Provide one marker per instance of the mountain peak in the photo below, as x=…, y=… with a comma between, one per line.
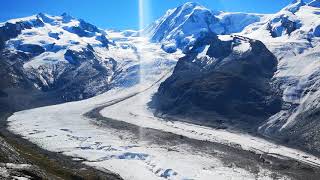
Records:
x=66, y=17
x=45, y=17
x=41, y=14
x=294, y=6
x=182, y=25
x=191, y=4
x=65, y=14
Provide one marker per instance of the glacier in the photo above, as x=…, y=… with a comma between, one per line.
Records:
x=112, y=125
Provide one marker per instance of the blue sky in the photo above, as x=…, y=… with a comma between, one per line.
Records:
x=124, y=14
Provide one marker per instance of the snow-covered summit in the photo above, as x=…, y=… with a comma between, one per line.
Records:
x=294, y=6
x=59, y=52
x=179, y=28
x=182, y=24
x=47, y=37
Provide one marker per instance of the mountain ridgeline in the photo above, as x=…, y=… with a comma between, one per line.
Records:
x=179, y=28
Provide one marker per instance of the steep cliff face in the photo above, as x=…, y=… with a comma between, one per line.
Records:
x=228, y=82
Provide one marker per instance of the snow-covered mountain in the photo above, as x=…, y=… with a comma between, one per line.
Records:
x=69, y=56
x=293, y=35
x=58, y=52
x=180, y=27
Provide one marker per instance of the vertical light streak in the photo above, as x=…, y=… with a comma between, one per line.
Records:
x=141, y=16
x=140, y=52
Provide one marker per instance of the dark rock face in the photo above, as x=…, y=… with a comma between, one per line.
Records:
x=88, y=27
x=34, y=49
x=76, y=58
x=54, y=35
x=219, y=49
x=13, y=165
x=10, y=30
x=316, y=31
x=84, y=29
x=105, y=42
x=224, y=85
x=83, y=77
x=282, y=25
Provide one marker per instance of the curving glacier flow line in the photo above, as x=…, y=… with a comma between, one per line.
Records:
x=262, y=151
x=238, y=141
